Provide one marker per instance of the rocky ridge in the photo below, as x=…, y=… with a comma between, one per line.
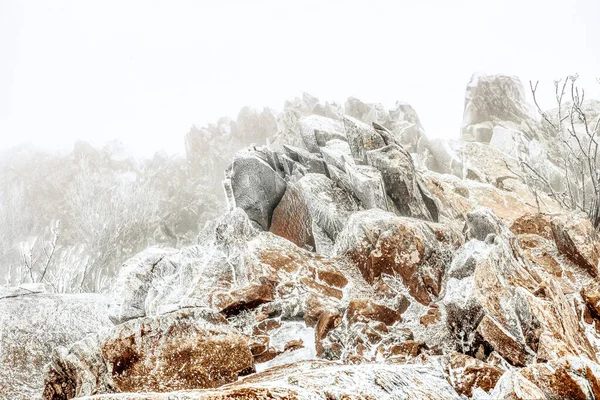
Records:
x=358, y=260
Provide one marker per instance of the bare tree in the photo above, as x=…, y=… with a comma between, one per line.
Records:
x=575, y=145
x=37, y=256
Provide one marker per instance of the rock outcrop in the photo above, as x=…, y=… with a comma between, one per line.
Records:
x=345, y=269
x=189, y=349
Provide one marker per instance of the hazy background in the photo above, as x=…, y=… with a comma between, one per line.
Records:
x=143, y=71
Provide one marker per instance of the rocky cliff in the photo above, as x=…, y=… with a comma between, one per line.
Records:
x=358, y=260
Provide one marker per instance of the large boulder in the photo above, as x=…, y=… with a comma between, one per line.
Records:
x=381, y=243
x=491, y=100
x=316, y=131
x=336, y=153
x=455, y=198
x=312, y=212
x=507, y=307
x=232, y=257
x=134, y=280
x=482, y=222
x=535, y=224
x=263, y=283
x=312, y=162
x=256, y=187
x=361, y=138
x=32, y=324
x=292, y=218
x=367, y=185
x=468, y=374
x=497, y=114
x=577, y=239
x=566, y=378
x=188, y=349
x=401, y=182
x=514, y=386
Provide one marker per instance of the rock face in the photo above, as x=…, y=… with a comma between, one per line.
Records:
x=256, y=186
x=380, y=243
x=576, y=238
x=492, y=100
x=468, y=374
x=361, y=138
x=32, y=325
x=401, y=183
x=319, y=208
x=326, y=380
x=184, y=350
x=359, y=260
x=133, y=288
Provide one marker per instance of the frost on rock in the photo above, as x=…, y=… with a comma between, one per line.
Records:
x=381, y=243
x=357, y=260
x=310, y=380
x=32, y=325
x=184, y=350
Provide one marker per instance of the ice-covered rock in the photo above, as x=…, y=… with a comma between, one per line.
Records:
x=292, y=218
x=325, y=380
x=32, y=325
x=444, y=158
x=513, y=385
x=456, y=197
x=508, y=307
x=576, y=238
x=134, y=282
x=381, y=243
x=316, y=131
x=361, y=138
x=426, y=269
x=327, y=209
x=481, y=223
x=536, y=224
x=401, y=182
x=312, y=162
x=291, y=131
x=367, y=185
x=256, y=187
x=337, y=153
x=493, y=99
x=468, y=374
x=567, y=378
x=188, y=349
x=401, y=120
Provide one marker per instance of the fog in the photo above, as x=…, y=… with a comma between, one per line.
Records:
x=299, y=199
x=144, y=71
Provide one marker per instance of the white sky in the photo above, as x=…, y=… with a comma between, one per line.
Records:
x=144, y=71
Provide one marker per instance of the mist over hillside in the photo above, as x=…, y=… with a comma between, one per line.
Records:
x=299, y=200
x=289, y=251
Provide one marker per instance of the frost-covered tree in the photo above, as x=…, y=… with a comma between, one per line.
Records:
x=573, y=130
x=110, y=207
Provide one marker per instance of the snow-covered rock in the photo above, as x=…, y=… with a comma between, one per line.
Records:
x=325, y=380
x=32, y=325
x=381, y=243
x=447, y=278
x=256, y=186
x=401, y=182
x=188, y=349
